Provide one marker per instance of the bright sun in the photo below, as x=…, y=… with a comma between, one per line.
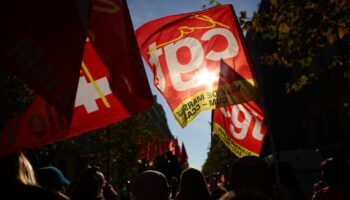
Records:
x=206, y=78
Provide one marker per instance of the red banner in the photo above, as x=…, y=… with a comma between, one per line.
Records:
x=96, y=104
x=241, y=128
x=112, y=35
x=43, y=42
x=186, y=53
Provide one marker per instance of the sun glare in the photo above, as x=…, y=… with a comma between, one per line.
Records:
x=206, y=78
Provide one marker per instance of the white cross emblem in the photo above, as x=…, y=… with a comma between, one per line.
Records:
x=87, y=94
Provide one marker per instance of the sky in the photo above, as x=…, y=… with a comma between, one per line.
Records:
x=196, y=135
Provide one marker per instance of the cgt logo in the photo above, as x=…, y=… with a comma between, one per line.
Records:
x=244, y=123
x=195, y=52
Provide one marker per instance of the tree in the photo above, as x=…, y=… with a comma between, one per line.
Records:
x=219, y=158
x=301, y=33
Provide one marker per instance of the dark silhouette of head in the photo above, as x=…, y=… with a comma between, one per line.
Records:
x=90, y=185
x=251, y=173
x=52, y=178
x=150, y=185
x=192, y=185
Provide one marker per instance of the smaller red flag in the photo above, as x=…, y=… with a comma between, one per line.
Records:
x=172, y=146
x=183, y=154
x=177, y=150
x=150, y=151
x=241, y=128
x=142, y=152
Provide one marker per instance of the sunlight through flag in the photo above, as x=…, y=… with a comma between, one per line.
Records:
x=186, y=53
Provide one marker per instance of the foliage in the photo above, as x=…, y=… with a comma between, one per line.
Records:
x=219, y=158
x=303, y=33
x=211, y=4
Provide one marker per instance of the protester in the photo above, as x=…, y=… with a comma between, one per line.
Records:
x=333, y=184
x=287, y=188
x=109, y=192
x=216, y=190
x=90, y=185
x=251, y=173
x=174, y=186
x=53, y=179
x=18, y=180
x=192, y=186
x=150, y=185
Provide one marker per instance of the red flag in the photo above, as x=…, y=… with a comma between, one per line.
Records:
x=241, y=128
x=113, y=37
x=172, y=146
x=96, y=105
x=183, y=154
x=160, y=149
x=150, y=151
x=177, y=150
x=43, y=43
x=142, y=152
x=185, y=53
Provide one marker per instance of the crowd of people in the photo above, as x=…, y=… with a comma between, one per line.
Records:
x=250, y=179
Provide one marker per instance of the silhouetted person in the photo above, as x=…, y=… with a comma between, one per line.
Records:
x=109, y=192
x=251, y=173
x=334, y=180
x=192, y=186
x=150, y=185
x=90, y=185
x=288, y=187
x=216, y=191
x=53, y=179
x=174, y=186
x=18, y=180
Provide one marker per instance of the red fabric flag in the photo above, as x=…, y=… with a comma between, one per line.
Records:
x=172, y=146
x=142, y=152
x=241, y=128
x=186, y=52
x=43, y=42
x=183, y=154
x=177, y=150
x=150, y=151
x=160, y=149
x=96, y=104
x=116, y=45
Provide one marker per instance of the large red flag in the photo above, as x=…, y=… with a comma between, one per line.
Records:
x=43, y=42
x=116, y=45
x=241, y=128
x=185, y=53
x=96, y=104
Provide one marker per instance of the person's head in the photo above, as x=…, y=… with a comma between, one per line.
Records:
x=150, y=185
x=52, y=178
x=192, y=185
x=90, y=184
x=16, y=168
x=251, y=173
x=334, y=171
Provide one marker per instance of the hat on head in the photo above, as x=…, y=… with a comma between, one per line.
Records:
x=51, y=177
